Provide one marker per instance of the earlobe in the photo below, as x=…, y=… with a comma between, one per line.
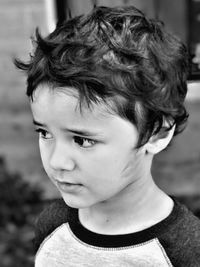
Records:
x=160, y=141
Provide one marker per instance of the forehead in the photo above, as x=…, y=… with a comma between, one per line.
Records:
x=62, y=101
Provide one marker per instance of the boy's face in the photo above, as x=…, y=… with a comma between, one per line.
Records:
x=90, y=155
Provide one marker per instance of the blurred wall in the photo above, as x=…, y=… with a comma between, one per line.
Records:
x=18, y=19
x=172, y=12
x=84, y=6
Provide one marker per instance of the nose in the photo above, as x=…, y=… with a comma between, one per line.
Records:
x=61, y=158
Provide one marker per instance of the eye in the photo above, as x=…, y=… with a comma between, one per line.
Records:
x=43, y=134
x=84, y=142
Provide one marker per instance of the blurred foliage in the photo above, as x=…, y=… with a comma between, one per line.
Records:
x=20, y=204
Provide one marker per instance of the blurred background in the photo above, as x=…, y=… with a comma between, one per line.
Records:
x=24, y=187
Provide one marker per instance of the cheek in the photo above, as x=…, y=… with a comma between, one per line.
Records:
x=124, y=163
x=106, y=163
x=44, y=153
x=134, y=168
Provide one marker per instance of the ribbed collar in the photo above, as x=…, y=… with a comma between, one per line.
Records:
x=108, y=241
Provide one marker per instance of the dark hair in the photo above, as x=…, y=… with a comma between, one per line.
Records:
x=121, y=57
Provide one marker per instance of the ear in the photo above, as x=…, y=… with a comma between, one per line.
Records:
x=159, y=141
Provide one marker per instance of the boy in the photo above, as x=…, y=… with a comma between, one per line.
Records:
x=106, y=92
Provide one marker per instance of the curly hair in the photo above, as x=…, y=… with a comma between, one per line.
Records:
x=119, y=56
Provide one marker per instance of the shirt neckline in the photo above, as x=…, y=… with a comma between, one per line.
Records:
x=124, y=240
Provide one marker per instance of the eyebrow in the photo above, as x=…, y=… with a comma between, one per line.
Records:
x=38, y=123
x=83, y=132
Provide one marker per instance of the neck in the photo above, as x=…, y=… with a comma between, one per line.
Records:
x=142, y=206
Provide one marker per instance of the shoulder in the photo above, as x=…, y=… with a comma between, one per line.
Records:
x=50, y=218
x=182, y=240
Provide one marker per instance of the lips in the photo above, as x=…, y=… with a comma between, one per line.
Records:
x=65, y=182
x=68, y=184
x=68, y=187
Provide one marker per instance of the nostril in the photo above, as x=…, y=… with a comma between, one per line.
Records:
x=61, y=162
x=61, y=157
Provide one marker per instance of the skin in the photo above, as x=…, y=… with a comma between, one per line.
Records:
x=100, y=172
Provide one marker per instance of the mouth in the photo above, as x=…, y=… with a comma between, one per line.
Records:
x=68, y=187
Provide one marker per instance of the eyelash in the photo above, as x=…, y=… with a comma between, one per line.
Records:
x=77, y=139
x=82, y=139
x=42, y=133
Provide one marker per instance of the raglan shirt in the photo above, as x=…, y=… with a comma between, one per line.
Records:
x=62, y=241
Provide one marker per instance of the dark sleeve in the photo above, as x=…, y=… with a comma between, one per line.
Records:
x=182, y=242
x=49, y=219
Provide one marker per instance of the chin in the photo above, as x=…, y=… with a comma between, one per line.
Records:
x=75, y=203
